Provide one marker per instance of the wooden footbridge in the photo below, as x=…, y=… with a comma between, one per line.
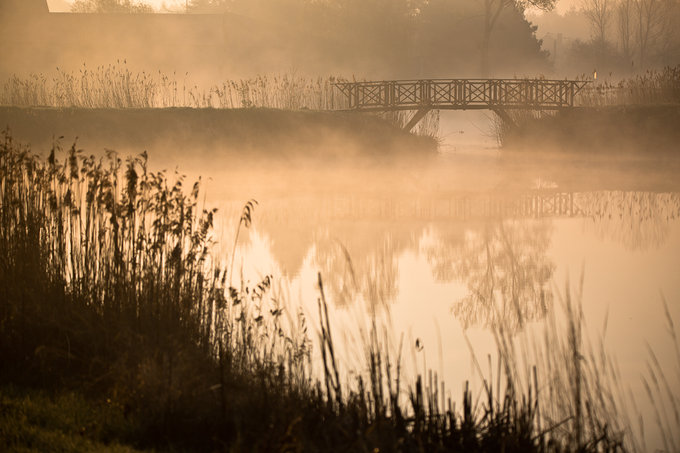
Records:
x=497, y=95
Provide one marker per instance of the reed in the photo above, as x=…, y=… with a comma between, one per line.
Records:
x=577, y=387
x=661, y=386
x=652, y=87
x=115, y=86
x=503, y=130
x=109, y=285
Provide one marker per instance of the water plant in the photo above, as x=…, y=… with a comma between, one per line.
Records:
x=109, y=285
x=651, y=87
x=116, y=86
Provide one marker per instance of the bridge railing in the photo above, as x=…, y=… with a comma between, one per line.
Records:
x=461, y=94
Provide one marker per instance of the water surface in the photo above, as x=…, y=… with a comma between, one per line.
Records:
x=442, y=251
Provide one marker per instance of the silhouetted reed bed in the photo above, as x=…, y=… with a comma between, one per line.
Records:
x=108, y=286
x=115, y=86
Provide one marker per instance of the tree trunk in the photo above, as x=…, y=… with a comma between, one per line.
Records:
x=492, y=10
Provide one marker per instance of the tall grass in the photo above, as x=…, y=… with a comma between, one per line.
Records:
x=662, y=389
x=503, y=130
x=580, y=394
x=108, y=284
x=428, y=126
x=654, y=87
x=115, y=86
x=651, y=87
x=107, y=279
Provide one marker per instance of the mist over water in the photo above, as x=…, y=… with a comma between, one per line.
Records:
x=449, y=247
x=442, y=252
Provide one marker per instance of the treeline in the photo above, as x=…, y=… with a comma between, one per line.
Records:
x=407, y=38
x=639, y=33
x=620, y=36
x=383, y=38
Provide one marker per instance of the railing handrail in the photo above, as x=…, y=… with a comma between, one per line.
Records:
x=460, y=93
x=506, y=80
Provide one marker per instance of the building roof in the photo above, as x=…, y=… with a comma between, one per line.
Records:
x=23, y=7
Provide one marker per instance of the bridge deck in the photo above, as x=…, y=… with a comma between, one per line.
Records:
x=461, y=94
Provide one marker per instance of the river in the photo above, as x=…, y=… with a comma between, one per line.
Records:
x=446, y=252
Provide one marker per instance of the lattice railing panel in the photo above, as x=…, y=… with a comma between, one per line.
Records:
x=461, y=94
x=408, y=93
x=371, y=95
x=444, y=93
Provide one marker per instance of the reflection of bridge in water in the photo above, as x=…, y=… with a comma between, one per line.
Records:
x=375, y=230
x=497, y=95
x=472, y=206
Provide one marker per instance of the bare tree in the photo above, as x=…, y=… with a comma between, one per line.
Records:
x=648, y=31
x=599, y=13
x=493, y=10
x=624, y=16
x=648, y=19
x=668, y=36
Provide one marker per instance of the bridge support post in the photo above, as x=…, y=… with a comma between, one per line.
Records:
x=415, y=119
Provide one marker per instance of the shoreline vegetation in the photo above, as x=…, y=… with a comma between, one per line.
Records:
x=644, y=130
x=120, y=329
x=105, y=106
x=273, y=117
x=116, y=87
x=633, y=116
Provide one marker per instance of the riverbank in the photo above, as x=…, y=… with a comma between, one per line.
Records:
x=644, y=130
x=209, y=133
x=118, y=309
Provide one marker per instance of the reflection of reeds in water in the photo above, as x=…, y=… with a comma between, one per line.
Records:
x=638, y=220
x=108, y=284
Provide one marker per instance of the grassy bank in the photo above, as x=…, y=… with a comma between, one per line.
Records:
x=114, y=307
x=212, y=133
x=116, y=87
x=37, y=421
x=636, y=116
x=644, y=130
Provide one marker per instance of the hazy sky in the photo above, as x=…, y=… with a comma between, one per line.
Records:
x=63, y=5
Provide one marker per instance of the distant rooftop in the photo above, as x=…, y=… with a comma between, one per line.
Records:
x=23, y=6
